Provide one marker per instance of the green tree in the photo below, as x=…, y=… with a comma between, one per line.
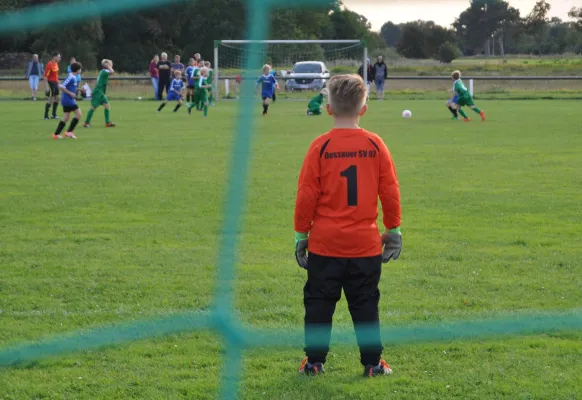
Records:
x=422, y=39
x=448, y=52
x=537, y=23
x=390, y=32
x=478, y=25
x=576, y=14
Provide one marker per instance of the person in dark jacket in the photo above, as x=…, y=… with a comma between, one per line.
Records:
x=380, y=75
x=34, y=70
x=369, y=78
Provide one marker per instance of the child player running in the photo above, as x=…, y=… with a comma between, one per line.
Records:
x=190, y=77
x=98, y=97
x=268, y=85
x=344, y=173
x=464, y=98
x=202, y=90
x=451, y=105
x=210, y=79
x=176, y=91
x=69, y=101
x=314, y=106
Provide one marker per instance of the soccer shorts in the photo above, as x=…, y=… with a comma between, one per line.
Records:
x=315, y=111
x=202, y=95
x=53, y=89
x=173, y=96
x=70, y=108
x=190, y=87
x=465, y=101
x=98, y=99
x=266, y=96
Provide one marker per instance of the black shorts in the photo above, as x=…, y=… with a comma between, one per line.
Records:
x=68, y=109
x=190, y=87
x=53, y=89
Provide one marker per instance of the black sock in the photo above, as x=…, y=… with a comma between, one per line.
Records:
x=274, y=97
x=451, y=110
x=73, y=124
x=47, y=107
x=60, y=127
x=265, y=108
x=177, y=107
x=161, y=106
x=55, y=105
x=455, y=113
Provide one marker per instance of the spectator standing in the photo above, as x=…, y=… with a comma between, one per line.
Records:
x=34, y=70
x=380, y=75
x=197, y=60
x=155, y=75
x=370, y=76
x=77, y=76
x=177, y=66
x=164, y=70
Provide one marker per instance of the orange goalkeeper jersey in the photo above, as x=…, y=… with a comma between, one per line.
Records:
x=344, y=173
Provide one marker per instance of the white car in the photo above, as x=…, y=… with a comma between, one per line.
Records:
x=307, y=75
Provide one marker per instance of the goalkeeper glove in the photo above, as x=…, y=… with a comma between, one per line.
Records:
x=301, y=249
x=392, y=241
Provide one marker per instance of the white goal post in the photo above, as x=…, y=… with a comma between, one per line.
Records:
x=354, y=45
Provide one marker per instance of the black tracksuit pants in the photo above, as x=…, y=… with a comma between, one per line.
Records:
x=163, y=83
x=359, y=278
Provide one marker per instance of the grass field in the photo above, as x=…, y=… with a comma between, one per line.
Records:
x=123, y=224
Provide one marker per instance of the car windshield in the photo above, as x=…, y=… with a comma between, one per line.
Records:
x=307, y=69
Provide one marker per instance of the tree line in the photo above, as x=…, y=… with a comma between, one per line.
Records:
x=486, y=27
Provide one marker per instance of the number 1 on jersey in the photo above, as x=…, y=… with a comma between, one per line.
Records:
x=351, y=174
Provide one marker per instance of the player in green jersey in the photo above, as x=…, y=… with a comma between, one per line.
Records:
x=99, y=98
x=196, y=95
x=202, y=91
x=464, y=98
x=208, y=65
x=314, y=106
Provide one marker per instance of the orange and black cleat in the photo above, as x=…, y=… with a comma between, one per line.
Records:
x=482, y=114
x=110, y=125
x=311, y=369
x=381, y=369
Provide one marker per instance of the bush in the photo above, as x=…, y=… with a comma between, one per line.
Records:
x=448, y=52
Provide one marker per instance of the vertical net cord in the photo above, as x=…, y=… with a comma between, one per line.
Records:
x=235, y=200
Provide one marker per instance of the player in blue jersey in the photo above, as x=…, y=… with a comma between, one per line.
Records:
x=268, y=85
x=190, y=71
x=69, y=103
x=175, y=92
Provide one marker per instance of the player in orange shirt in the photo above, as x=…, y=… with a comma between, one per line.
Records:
x=51, y=76
x=344, y=173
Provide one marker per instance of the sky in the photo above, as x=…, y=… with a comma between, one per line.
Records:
x=442, y=12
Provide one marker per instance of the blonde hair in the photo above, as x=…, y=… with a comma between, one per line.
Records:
x=347, y=95
x=207, y=64
x=456, y=74
x=106, y=61
x=203, y=70
x=266, y=67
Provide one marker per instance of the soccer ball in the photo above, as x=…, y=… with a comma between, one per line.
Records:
x=406, y=114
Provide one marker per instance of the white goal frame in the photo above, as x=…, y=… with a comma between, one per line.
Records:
x=218, y=42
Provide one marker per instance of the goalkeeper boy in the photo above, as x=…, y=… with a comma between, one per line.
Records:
x=344, y=173
x=314, y=106
x=464, y=98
